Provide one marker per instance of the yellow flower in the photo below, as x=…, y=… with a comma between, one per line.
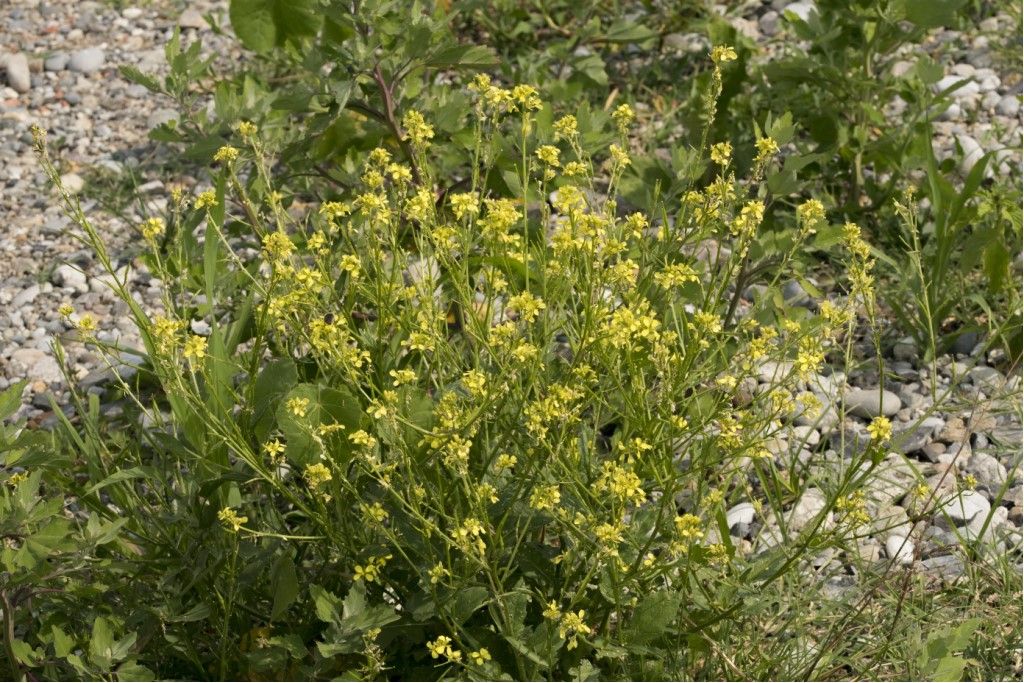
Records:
x=231, y=519
x=417, y=130
x=153, y=228
x=721, y=153
x=689, y=527
x=464, y=204
x=766, y=148
x=439, y=647
x=721, y=54
x=552, y=612
x=205, y=199
x=65, y=310
x=317, y=475
x=277, y=246
x=297, y=406
x=226, y=154
x=273, y=449
x=880, y=429
x=195, y=347
x=545, y=497
x=565, y=127
x=623, y=116
x=549, y=155
x=480, y=656
x=247, y=129
x=505, y=461
x=572, y=625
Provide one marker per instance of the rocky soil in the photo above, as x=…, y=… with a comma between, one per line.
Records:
x=59, y=68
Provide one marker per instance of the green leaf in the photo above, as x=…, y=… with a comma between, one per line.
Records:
x=63, y=644
x=10, y=399
x=625, y=31
x=949, y=668
x=464, y=57
x=101, y=644
x=272, y=384
x=653, y=616
x=328, y=606
x=262, y=25
x=932, y=13
x=286, y=585
x=120, y=475
x=467, y=601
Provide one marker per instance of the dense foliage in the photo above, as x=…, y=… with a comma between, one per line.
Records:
x=496, y=329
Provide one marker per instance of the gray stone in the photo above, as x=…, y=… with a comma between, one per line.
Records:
x=192, y=18
x=1008, y=106
x=900, y=549
x=87, y=60
x=865, y=402
x=987, y=378
x=986, y=469
x=963, y=91
x=892, y=479
x=963, y=507
x=162, y=116
x=972, y=152
x=807, y=508
x=25, y=296
x=58, y=61
x=948, y=567
x=769, y=23
x=773, y=372
x=72, y=182
x=802, y=9
x=741, y=513
x=914, y=437
x=69, y=276
x=905, y=349
x=18, y=76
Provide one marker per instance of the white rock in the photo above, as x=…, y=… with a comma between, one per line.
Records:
x=963, y=91
x=741, y=513
x=900, y=549
x=972, y=152
x=192, y=18
x=17, y=72
x=87, y=60
x=1008, y=106
x=965, y=506
x=72, y=182
x=865, y=402
x=811, y=503
x=69, y=276
x=802, y=8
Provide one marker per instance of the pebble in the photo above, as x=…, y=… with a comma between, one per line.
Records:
x=986, y=469
x=192, y=18
x=1009, y=107
x=87, y=60
x=72, y=182
x=963, y=91
x=18, y=76
x=58, y=61
x=972, y=152
x=802, y=9
x=964, y=507
x=900, y=549
x=769, y=23
x=865, y=402
x=68, y=276
x=807, y=508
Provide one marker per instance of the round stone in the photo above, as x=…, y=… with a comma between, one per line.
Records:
x=87, y=60
x=869, y=403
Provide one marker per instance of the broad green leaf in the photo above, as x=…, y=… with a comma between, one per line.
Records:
x=653, y=616
x=10, y=399
x=262, y=25
x=932, y=13
x=286, y=585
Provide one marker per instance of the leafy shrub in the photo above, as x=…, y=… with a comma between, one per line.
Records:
x=469, y=434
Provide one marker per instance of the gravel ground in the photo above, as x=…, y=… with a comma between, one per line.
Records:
x=58, y=68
